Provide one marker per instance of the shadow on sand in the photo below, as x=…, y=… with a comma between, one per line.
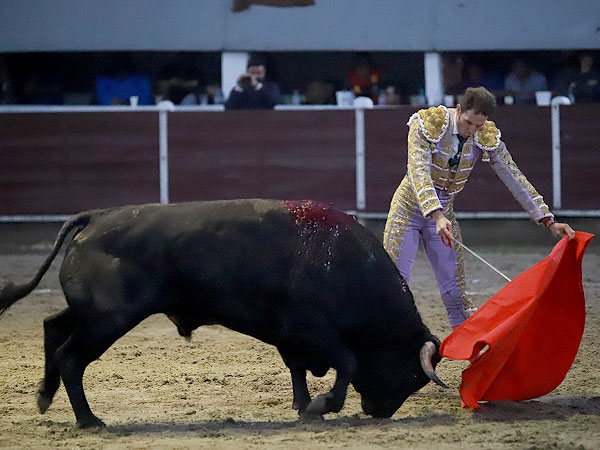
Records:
x=217, y=427
x=544, y=408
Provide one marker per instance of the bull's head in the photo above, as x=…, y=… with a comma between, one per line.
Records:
x=386, y=378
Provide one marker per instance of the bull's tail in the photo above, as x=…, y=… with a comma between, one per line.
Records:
x=11, y=293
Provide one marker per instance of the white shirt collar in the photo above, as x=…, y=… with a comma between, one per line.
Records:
x=455, y=128
x=454, y=137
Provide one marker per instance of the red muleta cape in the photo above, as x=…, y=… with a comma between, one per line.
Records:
x=533, y=328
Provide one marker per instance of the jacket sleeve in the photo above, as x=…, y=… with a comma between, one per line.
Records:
x=235, y=99
x=521, y=189
x=419, y=166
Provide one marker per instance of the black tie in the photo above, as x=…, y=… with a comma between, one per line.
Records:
x=456, y=158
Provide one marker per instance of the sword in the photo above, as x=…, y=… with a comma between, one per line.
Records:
x=478, y=257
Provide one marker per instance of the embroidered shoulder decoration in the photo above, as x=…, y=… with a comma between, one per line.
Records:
x=488, y=137
x=432, y=121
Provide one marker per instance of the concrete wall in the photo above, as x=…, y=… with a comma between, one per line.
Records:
x=209, y=25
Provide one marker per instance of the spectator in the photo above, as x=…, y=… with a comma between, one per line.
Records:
x=179, y=90
x=7, y=95
x=180, y=81
x=43, y=88
x=252, y=90
x=452, y=73
x=476, y=75
x=122, y=82
x=585, y=85
x=392, y=96
x=213, y=95
x=566, y=72
x=365, y=77
x=319, y=92
x=522, y=81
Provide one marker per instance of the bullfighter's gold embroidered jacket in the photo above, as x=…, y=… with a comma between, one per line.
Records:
x=431, y=143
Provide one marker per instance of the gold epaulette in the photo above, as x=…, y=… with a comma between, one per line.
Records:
x=432, y=121
x=488, y=136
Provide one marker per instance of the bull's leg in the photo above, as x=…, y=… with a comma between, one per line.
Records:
x=333, y=401
x=301, y=394
x=57, y=329
x=297, y=366
x=318, y=349
x=344, y=362
x=85, y=345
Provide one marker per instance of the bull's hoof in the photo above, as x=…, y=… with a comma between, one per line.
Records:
x=309, y=417
x=300, y=406
x=90, y=422
x=44, y=396
x=43, y=402
x=317, y=407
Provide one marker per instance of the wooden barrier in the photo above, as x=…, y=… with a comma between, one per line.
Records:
x=270, y=154
x=64, y=162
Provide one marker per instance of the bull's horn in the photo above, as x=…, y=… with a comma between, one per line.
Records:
x=426, y=354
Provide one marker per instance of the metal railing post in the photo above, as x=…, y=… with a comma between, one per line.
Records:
x=361, y=185
x=556, y=175
x=163, y=149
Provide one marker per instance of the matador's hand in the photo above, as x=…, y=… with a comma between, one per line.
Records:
x=559, y=229
x=443, y=227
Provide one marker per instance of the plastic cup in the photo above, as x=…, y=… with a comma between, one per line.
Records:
x=543, y=98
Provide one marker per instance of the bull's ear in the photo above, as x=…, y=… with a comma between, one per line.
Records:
x=426, y=355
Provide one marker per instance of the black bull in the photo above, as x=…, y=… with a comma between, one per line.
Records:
x=298, y=275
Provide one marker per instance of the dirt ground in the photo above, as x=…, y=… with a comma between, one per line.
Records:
x=154, y=390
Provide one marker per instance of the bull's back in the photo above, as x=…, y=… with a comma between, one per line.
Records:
x=188, y=236
x=246, y=264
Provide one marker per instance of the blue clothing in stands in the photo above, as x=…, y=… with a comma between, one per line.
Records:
x=108, y=88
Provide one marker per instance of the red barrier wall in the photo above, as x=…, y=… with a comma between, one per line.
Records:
x=270, y=154
x=580, y=156
x=56, y=163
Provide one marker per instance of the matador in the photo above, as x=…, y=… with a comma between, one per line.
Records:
x=443, y=146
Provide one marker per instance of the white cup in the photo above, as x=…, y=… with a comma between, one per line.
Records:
x=133, y=100
x=344, y=98
x=542, y=98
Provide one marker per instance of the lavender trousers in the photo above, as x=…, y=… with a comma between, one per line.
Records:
x=443, y=260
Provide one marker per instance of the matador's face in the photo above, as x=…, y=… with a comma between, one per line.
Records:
x=468, y=122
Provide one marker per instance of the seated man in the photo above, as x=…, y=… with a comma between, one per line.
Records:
x=523, y=82
x=252, y=91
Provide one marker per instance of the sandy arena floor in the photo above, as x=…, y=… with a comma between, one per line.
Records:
x=154, y=390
